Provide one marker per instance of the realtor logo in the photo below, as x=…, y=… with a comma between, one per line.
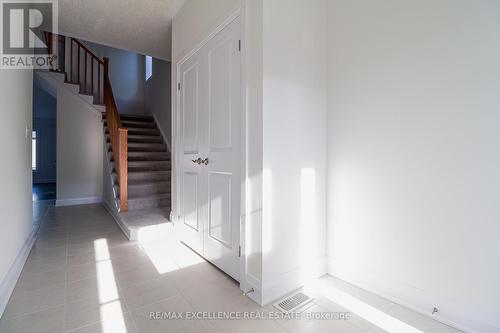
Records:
x=23, y=24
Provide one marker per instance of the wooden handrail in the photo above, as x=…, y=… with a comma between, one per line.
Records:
x=118, y=134
x=108, y=92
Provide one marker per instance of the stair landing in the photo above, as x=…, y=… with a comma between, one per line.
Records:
x=143, y=225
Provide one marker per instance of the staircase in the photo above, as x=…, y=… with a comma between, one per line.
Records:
x=139, y=160
x=149, y=166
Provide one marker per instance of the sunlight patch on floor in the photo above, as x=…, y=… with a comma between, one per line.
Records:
x=112, y=320
x=153, y=232
x=108, y=291
x=165, y=250
x=159, y=253
x=360, y=308
x=156, y=241
x=101, y=250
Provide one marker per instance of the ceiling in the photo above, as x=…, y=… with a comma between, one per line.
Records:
x=139, y=26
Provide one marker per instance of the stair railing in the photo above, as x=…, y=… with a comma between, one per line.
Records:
x=91, y=74
x=89, y=78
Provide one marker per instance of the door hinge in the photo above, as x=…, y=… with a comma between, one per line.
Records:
x=239, y=45
x=179, y=86
x=239, y=251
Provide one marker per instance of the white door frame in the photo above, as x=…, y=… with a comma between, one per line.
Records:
x=240, y=12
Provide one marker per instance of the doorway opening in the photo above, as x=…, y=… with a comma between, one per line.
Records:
x=44, y=151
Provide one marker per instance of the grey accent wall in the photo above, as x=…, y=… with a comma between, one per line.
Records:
x=126, y=71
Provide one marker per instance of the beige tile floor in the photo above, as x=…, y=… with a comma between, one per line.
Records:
x=83, y=275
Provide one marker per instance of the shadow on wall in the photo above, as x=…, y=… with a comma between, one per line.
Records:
x=126, y=70
x=158, y=96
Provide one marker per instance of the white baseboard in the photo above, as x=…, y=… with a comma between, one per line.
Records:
x=162, y=132
x=9, y=282
x=78, y=201
x=420, y=301
x=287, y=283
x=251, y=282
x=44, y=181
x=255, y=295
x=277, y=288
x=116, y=217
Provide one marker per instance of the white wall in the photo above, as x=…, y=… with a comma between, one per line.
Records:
x=127, y=76
x=157, y=97
x=79, y=150
x=16, y=89
x=413, y=153
x=294, y=144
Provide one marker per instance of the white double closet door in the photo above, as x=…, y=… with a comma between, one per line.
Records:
x=210, y=131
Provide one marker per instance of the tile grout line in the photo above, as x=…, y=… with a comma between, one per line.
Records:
x=31, y=313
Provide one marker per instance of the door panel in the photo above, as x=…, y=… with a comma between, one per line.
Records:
x=210, y=107
x=221, y=244
x=190, y=198
x=219, y=217
x=190, y=112
x=191, y=180
x=220, y=73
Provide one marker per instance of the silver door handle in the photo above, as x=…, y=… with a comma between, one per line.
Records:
x=198, y=161
x=205, y=161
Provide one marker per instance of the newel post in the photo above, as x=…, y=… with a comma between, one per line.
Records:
x=105, y=77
